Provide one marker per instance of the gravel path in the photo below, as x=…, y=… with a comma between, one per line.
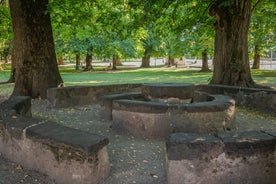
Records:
x=133, y=160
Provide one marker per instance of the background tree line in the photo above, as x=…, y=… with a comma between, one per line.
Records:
x=137, y=29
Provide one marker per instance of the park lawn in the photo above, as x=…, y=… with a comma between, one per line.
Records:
x=148, y=75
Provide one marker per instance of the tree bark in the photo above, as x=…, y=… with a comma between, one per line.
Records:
x=114, y=63
x=88, y=60
x=118, y=61
x=146, y=60
x=257, y=57
x=170, y=61
x=205, y=67
x=231, y=45
x=36, y=65
x=13, y=70
x=77, y=61
x=60, y=61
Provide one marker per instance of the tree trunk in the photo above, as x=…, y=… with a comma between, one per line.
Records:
x=231, y=44
x=170, y=61
x=118, y=62
x=205, y=67
x=114, y=62
x=12, y=75
x=88, y=60
x=60, y=61
x=77, y=61
x=35, y=58
x=257, y=57
x=146, y=60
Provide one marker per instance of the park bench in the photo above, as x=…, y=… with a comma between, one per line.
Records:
x=66, y=155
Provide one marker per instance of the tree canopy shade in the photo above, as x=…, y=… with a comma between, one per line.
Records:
x=35, y=58
x=122, y=28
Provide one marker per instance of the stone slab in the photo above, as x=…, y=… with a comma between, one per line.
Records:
x=225, y=166
x=191, y=146
x=58, y=134
x=84, y=95
x=20, y=104
x=247, y=143
x=107, y=102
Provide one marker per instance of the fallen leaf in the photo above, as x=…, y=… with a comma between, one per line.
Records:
x=19, y=167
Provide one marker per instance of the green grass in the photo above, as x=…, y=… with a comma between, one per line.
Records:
x=135, y=76
x=100, y=77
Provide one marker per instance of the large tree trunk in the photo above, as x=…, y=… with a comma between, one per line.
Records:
x=231, y=65
x=88, y=60
x=257, y=58
x=36, y=65
x=205, y=67
x=146, y=59
x=12, y=75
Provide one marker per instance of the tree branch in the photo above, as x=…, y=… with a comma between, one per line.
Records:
x=256, y=4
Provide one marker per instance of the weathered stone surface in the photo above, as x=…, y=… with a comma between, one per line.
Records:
x=193, y=146
x=140, y=106
x=203, y=117
x=149, y=125
x=258, y=98
x=167, y=90
x=223, y=166
x=21, y=105
x=67, y=155
x=270, y=132
x=84, y=95
x=247, y=143
x=107, y=101
x=16, y=125
x=55, y=134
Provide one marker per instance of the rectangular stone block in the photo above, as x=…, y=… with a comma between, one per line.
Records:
x=236, y=157
x=189, y=157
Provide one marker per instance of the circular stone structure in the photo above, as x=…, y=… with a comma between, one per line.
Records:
x=167, y=90
x=166, y=109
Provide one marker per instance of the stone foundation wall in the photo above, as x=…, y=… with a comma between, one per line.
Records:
x=156, y=119
x=260, y=99
x=237, y=157
x=85, y=95
x=64, y=154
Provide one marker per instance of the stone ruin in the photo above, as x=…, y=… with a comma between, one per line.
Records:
x=161, y=109
x=202, y=145
x=197, y=123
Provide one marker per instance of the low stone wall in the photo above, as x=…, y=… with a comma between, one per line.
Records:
x=107, y=101
x=66, y=155
x=157, y=119
x=236, y=157
x=167, y=90
x=85, y=95
x=260, y=99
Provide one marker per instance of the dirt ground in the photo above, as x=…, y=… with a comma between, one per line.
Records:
x=133, y=160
